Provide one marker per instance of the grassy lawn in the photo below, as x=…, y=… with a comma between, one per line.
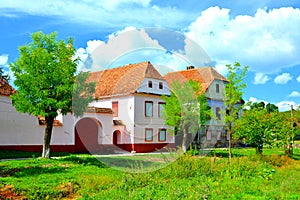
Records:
x=271, y=176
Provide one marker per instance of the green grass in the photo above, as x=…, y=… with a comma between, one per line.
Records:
x=249, y=176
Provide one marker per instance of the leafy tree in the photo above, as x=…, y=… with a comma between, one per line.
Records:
x=258, y=105
x=257, y=127
x=271, y=108
x=45, y=77
x=288, y=130
x=185, y=108
x=233, y=96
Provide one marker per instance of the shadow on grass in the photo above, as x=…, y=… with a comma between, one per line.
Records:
x=30, y=171
x=295, y=156
x=8, y=154
x=86, y=161
x=134, y=164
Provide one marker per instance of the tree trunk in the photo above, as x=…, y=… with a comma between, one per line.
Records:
x=184, y=139
x=47, y=137
x=229, y=146
x=259, y=149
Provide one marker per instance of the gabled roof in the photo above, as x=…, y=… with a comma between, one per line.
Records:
x=5, y=88
x=205, y=76
x=122, y=80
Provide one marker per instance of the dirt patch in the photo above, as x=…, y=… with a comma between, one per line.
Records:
x=8, y=192
x=9, y=172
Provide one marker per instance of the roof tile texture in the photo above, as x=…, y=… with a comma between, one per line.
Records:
x=5, y=88
x=122, y=80
x=204, y=75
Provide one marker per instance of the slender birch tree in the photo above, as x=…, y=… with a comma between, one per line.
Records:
x=233, y=97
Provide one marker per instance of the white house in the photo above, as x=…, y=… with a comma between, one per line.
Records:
x=134, y=92
x=125, y=115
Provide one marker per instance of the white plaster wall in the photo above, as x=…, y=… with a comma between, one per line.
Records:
x=211, y=91
x=23, y=129
x=125, y=113
x=155, y=122
x=155, y=89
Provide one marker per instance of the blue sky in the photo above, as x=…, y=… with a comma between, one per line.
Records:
x=264, y=35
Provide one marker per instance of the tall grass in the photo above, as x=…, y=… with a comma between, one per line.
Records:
x=189, y=177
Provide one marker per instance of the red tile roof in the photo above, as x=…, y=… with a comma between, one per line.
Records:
x=122, y=80
x=205, y=76
x=5, y=88
x=99, y=110
x=42, y=121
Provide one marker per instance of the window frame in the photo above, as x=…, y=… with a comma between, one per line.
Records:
x=208, y=132
x=159, y=110
x=160, y=85
x=219, y=135
x=165, y=134
x=117, y=113
x=145, y=113
x=146, y=138
x=150, y=84
x=217, y=88
x=218, y=114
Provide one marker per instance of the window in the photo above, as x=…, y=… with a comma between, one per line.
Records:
x=160, y=85
x=149, y=84
x=161, y=107
x=217, y=88
x=219, y=135
x=162, y=135
x=148, y=108
x=227, y=135
x=208, y=135
x=218, y=114
x=115, y=108
x=148, y=134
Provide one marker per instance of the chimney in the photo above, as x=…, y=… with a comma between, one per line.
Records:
x=190, y=67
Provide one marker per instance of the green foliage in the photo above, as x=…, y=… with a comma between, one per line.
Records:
x=263, y=125
x=233, y=96
x=45, y=79
x=186, y=108
x=45, y=75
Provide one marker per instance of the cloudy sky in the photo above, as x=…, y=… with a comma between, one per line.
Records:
x=262, y=34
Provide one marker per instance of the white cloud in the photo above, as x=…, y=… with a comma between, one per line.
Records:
x=255, y=100
x=261, y=41
x=298, y=79
x=294, y=94
x=260, y=78
x=283, y=78
x=92, y=45
x=104, y=13
x=3, y=59
x=222, y=69
x=132, y=45
x=285, y=105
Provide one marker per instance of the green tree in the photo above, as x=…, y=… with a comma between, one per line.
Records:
x=233, y=97
x=287, y=123
x=271, y=108
x=185, y=108
x=45, y=76
x=257, y=127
